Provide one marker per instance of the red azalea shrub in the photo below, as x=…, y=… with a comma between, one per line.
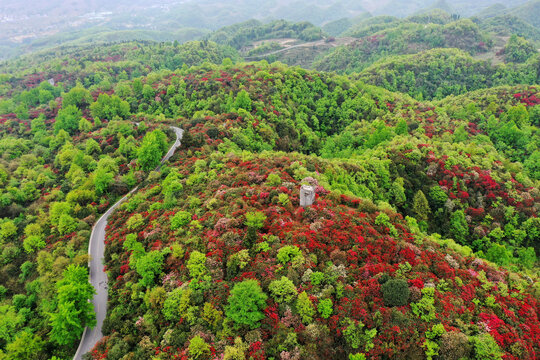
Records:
x=334, y=238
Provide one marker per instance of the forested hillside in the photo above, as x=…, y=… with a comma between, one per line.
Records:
x=224, y=225
x=528, y=12
x=403, y=38
x=244, y=34
x=508, y=25
x=438, y=73
x=415, y=124
x=422, y=241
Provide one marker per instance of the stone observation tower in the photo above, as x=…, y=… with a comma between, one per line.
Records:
x=307, y=195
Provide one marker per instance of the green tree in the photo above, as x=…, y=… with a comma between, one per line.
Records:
x=227, y=62
x=246, y=301
x=425, y=308
x=398, y=191
x=66, y=224
x=196, y=265
x=358, y=356
x=459, y=229
x=358, y=337
x=33, y=243
x=437, y=196
x=137, y=86
x=102, y=180
x=527, y=257
x=486, y=348
x=255, y=219
x=180, y=219
x=127, y=146
x=431, y=346
x=198, y=348
x=74, y=311
x=78, y=96
x=135, y=221
x=288, y=253
x=176, y=301
x=498, y=254
x=68, y=119
x=236, y=352
x=171, y=186
x=532, y=164
x=402, y=127
x=148, y=92
x=38, y=124
x=10, y=321
x=534, y=115
x=273, y=179
x=326, y=308
x=238, y=260
x=148, y=266
x=92, y=147
x=25, y=346
x=136, y=248
x=283, y=290
x=242, y=101
x=8, y=230
x=3, y=176
x=461, y=134
x=85, y=125
x=519, y=115
x=57, y=209
x=305, y=308
x=518, y=49
x=45, y=96
x=21, y=111
x=532, y=228
x=395, y=292
x=153, y=147
x=108, y=107
x=421, y=206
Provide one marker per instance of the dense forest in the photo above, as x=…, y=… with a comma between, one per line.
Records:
x=420, y=137
x=438, y=73
x=386, y=36
x=243, y=34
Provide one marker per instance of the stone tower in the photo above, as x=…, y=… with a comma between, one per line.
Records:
x=307, y=195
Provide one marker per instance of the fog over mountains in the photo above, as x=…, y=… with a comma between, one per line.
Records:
x=36, y=24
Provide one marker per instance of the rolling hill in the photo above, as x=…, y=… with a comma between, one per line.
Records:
x=416, y=138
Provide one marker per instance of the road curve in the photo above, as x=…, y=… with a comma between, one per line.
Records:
x=98, y=277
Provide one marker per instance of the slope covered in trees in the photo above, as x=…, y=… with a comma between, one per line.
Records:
x=281, y=285
x=508, y=25
x=234, y=246
x=371, y=25
x=56, y=177
x=422, y=239
x=530, y=12
x=405, y=38
x=243, y=34
x=438, y=73
x=339, y=26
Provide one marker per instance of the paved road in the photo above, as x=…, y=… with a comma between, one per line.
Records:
x=98, y=278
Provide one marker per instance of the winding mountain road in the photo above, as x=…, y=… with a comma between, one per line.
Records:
x=98, y=277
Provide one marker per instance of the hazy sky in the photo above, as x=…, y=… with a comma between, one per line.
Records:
x=23, y=22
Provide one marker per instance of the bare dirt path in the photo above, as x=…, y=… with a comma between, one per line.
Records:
x=322, y=42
